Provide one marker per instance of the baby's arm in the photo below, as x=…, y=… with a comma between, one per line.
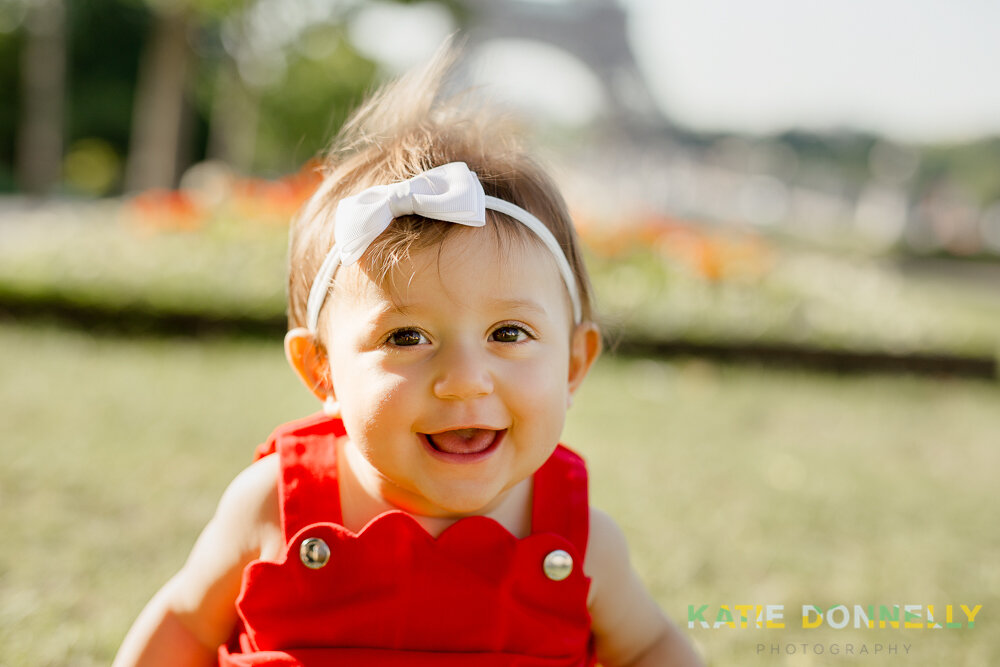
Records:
x=629, y=628
x=194, y=612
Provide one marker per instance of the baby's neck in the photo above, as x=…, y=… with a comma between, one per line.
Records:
x=363, y=496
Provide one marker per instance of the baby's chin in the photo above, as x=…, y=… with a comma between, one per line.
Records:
x=439, y=499
x=470, y=499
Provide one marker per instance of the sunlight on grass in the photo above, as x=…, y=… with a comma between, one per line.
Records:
x=740, y=486
x=734, y=485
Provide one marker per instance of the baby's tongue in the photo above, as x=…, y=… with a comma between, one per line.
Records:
x=463, y=441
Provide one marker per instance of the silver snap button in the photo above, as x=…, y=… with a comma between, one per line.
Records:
x=314, y=553
x=557, y=565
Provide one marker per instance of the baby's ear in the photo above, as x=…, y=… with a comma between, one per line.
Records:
x=308, y=359
x=584, y=347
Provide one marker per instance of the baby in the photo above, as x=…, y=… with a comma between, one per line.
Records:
x=440, y=309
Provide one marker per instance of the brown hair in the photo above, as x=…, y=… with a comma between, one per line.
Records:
x=406, y=127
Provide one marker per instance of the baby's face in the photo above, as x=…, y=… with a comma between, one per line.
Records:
x=452, y=375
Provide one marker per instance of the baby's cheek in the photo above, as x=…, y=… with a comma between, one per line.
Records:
x=384, y=401
x=544, y=406
x=549, y=383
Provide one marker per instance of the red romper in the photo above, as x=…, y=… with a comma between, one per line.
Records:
x=393, y=595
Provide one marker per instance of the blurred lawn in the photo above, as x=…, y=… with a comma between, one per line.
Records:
x=734, y=485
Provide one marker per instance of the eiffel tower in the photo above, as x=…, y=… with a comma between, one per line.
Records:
x=594, y=32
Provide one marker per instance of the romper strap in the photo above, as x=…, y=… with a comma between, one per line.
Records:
x=308, y=491
x=560, y=502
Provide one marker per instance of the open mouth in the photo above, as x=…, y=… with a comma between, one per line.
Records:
x=463, y=445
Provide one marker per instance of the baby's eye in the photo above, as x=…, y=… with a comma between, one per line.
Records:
x=509, y=333
x=406, y=337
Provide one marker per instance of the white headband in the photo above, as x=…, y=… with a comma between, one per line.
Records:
x=450, y=192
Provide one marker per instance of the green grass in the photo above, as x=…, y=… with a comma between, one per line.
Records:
x=735, y=485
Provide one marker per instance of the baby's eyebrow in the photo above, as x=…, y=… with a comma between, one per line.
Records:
x=391, y=308
x=517, y=304
x=405, y=308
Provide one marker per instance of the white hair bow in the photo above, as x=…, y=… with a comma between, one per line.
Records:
x=450, y=192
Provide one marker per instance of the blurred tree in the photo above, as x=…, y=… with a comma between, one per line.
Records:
x=285, y=76
x=158, y=114
x=262, y=58
x=975, y=164
x=232, y=128
x=317, y=92
x=43, y=75
x=10, y=60
x=106, y=38
x=260, y=84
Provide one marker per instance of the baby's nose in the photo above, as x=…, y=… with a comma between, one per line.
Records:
x=462, y=374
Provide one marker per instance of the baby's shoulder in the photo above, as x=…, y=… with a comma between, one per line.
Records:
x=606, y=545
x=256, y=486
x=248, y=512
x=607, y=562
